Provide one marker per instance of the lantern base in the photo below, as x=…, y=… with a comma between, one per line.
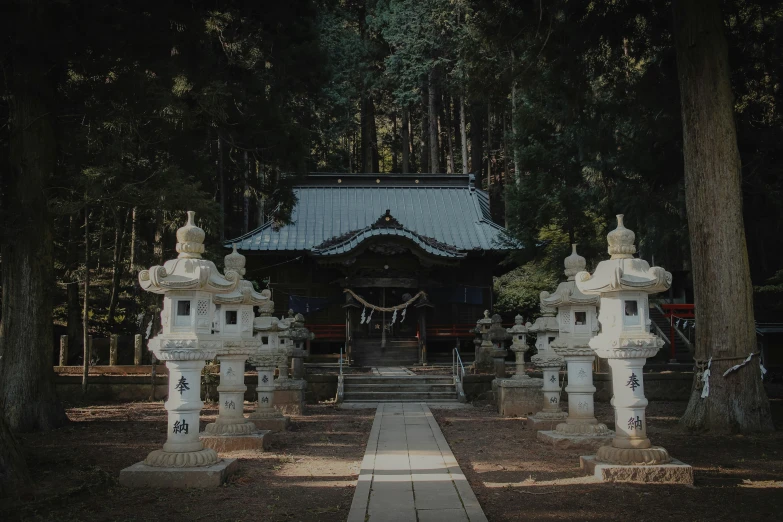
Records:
x=518, y=397
x=141, y=475
x=594, y=429
x=187, y=459
x=225, y=443
x=546, y=420
x=674, y=472
x=575, y=441
x=632, y=456
x=273, y=423
x=243, y=427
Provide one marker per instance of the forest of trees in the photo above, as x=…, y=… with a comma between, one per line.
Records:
x=122, y=115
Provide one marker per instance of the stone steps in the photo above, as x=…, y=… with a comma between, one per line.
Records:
x=407, y=388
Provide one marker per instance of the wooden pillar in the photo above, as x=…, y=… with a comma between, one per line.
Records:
x=63, y=350
x=423, y=335
x=137, y=340
x=113, y=341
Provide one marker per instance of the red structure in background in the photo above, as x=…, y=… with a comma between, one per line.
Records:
x=678, y=311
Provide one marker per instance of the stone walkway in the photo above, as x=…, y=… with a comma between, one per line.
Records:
x=391, y=371
x=409, y=473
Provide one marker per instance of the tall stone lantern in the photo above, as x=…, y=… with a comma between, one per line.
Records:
x=188, y=285
x=484, y=361
x=267, y=328
x=578, y=322
x=498, y=336
x=520, y=395
x=549, y=363
x=624, y=284
x=234, y=322
x=290, y=393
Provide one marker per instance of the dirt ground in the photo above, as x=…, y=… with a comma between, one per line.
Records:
x=308, y=474
x=517, y=478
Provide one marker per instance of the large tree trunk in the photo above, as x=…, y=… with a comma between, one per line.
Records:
x=246, y=198
x=86, y=312
x=713, y=195
x=221, y=188
x=13, y=469
x=405, y=138
x=432, y=110
x=27, y=394
x=369, y=136
x=449, y=137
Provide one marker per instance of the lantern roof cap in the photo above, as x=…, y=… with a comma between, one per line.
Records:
x=622, y=271
x=189, y=271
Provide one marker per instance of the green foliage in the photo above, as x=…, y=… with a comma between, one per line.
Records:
x=518, y=291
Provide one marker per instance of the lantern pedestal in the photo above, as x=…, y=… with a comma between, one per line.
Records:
x=289, y=396
x=142, y=476
x=551, y=415
x=266, y=417
x=674, y=472
x=518, y=397
x=232, y=431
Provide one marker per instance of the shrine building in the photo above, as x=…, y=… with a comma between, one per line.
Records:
x=396, y=268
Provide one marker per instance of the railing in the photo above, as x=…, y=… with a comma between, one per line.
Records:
x=677, y=311
x=458, y=373
x=328, y=332
x=340, y=380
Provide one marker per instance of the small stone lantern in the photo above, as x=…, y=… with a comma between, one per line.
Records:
x=623, y=284
x=519, y=346
x=484, y=360
x=549, y=363
x=234, y=323
x=498, y=335
x=188, y=285
x=576, y=317
x=519, y=396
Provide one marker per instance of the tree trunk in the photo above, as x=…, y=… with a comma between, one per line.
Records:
x=157, y=248
x=369, y=136
x=246, y=198
x=432, y=110
x=72, y=277
x=405, y=138
x=222, y=189
x=514, y=144
x=116, y=274
x=476, y=141
x=424, y=132
x=99, y=254
x=449, y=136
x=395, y=142
x=132, y=260
x=85, y=314
x=463, y=135
x=14, y=475
x=723, y=293
x=28, y=399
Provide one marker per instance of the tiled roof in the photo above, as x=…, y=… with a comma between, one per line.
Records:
x=445, y=214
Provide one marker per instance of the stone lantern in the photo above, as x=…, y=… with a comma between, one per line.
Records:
x=290, y=393
x=188, y=285
x=549, y=363
x=234, y=323
x=578, y=322
x=519, y=346
x=267, y=328
x=484, y=360
x=498, y=336
x=521, y=394
x=624, y=284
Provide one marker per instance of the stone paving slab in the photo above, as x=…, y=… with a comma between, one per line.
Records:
x=409, y=473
